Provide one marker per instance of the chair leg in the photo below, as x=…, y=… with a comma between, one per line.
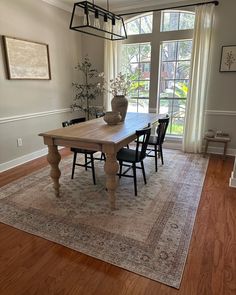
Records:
x=156, y=155
x=73, y=165
x=86, y=161
x=160, y=148
x=135, y=179
x=121, y=164
x=93, y=170
x=144, y=175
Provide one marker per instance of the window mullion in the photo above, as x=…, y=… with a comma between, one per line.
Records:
x=154, y=71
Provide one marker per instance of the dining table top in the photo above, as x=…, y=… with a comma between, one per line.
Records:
x=97, y=130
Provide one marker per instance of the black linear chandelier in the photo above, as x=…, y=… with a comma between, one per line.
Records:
x=91, y=19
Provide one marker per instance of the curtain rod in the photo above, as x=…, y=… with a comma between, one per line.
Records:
x=167, y=8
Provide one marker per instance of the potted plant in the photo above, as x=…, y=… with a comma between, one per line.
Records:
x=87, y=92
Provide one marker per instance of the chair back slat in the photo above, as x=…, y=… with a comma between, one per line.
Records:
x=100, y=114
x=73, y=121
x=161, y=129
x=143, y=136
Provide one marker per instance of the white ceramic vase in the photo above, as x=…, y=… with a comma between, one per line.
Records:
x=119, y=103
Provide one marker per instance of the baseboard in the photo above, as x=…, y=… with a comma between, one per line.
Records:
x=21, y=160
x=174, y=145
x=232, y=180
x=220, y=150
x=169, y=145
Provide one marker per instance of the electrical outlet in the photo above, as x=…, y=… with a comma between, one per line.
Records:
x=19, y=142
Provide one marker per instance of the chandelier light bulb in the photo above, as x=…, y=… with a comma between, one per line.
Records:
x=106, y=24
x=86, y=17
x=96, y=20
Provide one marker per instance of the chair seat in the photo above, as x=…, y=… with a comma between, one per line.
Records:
x=128, y=155
x=83, y=151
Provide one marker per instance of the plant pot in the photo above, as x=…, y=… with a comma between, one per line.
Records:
x=112, y=118
x=119, y=103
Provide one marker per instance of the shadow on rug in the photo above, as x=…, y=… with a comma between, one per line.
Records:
x=148, y=234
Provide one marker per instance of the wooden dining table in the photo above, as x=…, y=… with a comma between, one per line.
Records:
x=96, y=135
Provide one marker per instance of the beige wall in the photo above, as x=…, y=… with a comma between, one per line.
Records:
x=222, y=86
x=41, y=22
x=93, y=47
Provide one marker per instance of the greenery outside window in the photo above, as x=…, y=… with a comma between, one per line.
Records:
x=174, y=82
x=139, y=25
x=136, y=60
x=177, y=20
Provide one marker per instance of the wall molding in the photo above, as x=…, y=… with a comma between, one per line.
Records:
x=232, y=180
x=168, y=144
x=24, y=159
x=118, y=7
x=207, y=112
x=220, y=150
x=220, y=113
x=5, y=120
x=60, y=5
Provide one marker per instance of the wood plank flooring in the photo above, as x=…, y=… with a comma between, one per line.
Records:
x=32, y=265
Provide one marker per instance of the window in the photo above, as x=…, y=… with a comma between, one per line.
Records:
x=136, y=60
x=158, y=60
x=174, y=82
x=139, y=25
x=177, y=20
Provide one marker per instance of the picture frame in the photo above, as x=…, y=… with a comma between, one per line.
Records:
x=26, y=60
x=228, y=58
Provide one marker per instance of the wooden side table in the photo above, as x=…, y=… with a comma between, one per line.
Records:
x=223, y=140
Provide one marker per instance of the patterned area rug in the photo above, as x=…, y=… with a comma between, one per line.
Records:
x=148, y=234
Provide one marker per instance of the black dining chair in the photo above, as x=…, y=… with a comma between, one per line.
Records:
x=134, y=156
x=88, y=155
x=155, y=141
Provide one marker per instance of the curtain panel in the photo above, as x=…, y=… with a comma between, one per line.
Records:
x=195, y=108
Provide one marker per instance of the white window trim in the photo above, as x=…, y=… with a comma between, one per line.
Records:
x=156, y=38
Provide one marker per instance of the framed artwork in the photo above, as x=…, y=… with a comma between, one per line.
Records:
x=228, y=59
x=26, y=60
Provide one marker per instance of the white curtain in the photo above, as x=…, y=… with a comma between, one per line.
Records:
x=195, y=109
x=111, y=67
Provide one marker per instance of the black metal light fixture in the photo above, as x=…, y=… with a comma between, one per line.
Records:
x=94, y=20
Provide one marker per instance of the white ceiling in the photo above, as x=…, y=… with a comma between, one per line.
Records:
x=117, y=5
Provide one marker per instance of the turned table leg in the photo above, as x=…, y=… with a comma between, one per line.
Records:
x=54, y=158
x=111, y=168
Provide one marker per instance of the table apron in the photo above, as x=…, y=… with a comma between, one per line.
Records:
x=78, y=144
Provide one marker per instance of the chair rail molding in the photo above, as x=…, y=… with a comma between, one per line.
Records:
x=220, y=113
x=5, y=120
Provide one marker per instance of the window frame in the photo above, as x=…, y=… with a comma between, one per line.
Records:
x=156, y=38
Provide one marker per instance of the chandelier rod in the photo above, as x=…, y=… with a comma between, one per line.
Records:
x=168, y=8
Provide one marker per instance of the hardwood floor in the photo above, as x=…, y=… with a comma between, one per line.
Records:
x=32, y=265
